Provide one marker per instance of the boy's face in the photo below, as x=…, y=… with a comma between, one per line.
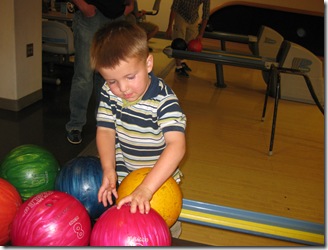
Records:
x=129, y=80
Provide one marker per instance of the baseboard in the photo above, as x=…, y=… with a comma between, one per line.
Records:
x=17, y=105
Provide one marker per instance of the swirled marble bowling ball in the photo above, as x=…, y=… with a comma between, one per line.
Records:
x=51, y=218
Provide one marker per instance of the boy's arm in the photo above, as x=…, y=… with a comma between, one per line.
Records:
x=163, y=169
x=168, y=161
x=105, y=139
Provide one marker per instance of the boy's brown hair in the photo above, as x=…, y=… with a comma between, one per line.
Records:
x=116, y=41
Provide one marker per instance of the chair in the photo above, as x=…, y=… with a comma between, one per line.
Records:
x=57, y=46
x=155, y=9
x=304, y=71
x=266, y=44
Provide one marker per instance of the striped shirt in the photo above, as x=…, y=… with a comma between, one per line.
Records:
x=140, y=126
x=188, y=9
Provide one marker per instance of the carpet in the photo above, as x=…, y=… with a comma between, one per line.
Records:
x=162, y=66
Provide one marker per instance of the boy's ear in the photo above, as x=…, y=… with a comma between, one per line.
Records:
x=150, y=63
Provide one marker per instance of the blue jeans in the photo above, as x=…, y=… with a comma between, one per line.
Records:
x=83, y=83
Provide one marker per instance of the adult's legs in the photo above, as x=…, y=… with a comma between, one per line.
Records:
x=82, y=82
x=84, y=29
x=179, y=31
x=150, y=28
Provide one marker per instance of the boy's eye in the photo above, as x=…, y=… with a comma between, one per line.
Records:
x=131, y=77
x=111, y=82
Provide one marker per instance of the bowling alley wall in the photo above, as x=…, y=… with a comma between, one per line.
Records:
x=315, y=7
x=20, y=25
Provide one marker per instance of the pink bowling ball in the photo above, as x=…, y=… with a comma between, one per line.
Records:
x=119, y=227
x=51, y=218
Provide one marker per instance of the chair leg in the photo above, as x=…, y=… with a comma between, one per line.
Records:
x=265, y=100
x=313, y=94
x=276, y=78
x=269, y=86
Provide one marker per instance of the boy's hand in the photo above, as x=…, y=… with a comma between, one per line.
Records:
x=139, y=198
x=108, y=188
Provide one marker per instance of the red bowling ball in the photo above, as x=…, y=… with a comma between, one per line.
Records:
x=51, y=218
x=10, y=202
x=195, y=45
x=119, y=227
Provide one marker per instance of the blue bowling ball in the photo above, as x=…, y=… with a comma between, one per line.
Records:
x=81, y=177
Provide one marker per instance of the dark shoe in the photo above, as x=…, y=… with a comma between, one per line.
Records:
x=185, y=66
x=74, y=136
x=181, y=72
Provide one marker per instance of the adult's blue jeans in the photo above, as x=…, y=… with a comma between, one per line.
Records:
x=83, y=82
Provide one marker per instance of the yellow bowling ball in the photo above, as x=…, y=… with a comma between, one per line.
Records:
x=167, y=200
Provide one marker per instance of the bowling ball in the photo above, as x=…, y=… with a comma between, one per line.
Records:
x=179, y=44
x=209, y=27
x=31, y=169
x=195, y=45
x=51, y=218
x=167, y=200
x=10, y=202
x=82, y=178
x=120, y=227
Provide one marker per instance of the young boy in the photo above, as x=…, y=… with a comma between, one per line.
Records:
x=139, y=122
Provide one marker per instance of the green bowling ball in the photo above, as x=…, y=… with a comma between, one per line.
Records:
x=31, y=169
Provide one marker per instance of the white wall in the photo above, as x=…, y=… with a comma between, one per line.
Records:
x=21, y=76
x=7, y=50
x=315, y=7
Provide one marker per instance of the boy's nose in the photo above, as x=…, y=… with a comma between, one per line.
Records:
x=123, y=87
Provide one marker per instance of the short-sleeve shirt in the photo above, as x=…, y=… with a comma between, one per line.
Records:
x=188, y=9
x=140, y=127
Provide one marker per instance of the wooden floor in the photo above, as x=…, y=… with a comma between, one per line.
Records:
x=227, y=161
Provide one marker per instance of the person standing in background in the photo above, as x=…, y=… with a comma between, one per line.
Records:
x=183, y=23
x=89, y=17
x=139, y=17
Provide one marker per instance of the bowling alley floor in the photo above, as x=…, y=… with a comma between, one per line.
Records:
x=227, y=161
x=43, y=123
